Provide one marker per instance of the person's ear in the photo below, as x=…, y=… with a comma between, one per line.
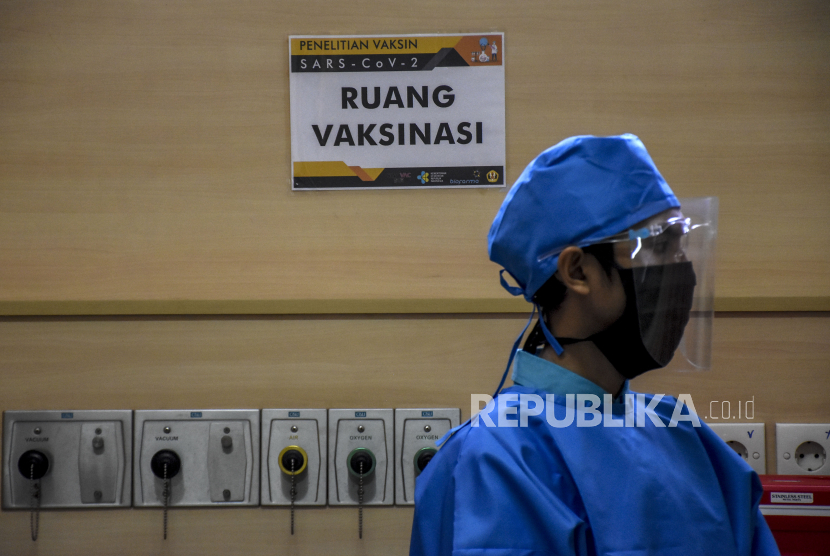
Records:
x=571, y=270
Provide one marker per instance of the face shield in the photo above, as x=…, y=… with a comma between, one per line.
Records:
x=668, y=267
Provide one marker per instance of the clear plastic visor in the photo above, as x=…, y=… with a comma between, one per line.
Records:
x=670, y=259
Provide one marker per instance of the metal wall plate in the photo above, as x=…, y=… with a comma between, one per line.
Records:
x=350, y=432
x=89, y=455
x=416, y=431
x=218, y=451
x=304, y=431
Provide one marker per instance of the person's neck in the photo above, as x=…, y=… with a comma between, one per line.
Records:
x=586, y=360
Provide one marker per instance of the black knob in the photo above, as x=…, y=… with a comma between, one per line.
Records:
x=227, y=444
x=162, y=458
x=98, y=444
x=293, y=460
x=293, y=457
x=33, y=464
x=362, y=456
x=423, y=457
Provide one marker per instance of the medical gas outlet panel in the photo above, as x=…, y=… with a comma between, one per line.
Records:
x=196, y=458
x=416, y=434
x=293, y=459
x=361, y=445
x=220, y=458
x=67, y=459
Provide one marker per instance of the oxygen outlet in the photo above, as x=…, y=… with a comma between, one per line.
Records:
x=422, y=458
x=360, y=456
x=33, y=464
x=168, y=458
x=361, y=440
x=417, y=431
x=293, y=460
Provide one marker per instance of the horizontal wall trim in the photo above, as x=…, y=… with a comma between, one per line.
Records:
x=349, y=306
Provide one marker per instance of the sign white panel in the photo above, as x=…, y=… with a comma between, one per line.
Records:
x=397, y=112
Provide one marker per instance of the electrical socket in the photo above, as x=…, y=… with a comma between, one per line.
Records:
x=803, y=449
x=747, y=439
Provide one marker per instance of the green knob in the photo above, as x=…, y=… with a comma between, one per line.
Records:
x=423, y=457
x=358, y=456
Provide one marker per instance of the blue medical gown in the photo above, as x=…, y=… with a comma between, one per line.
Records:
x=630, y=491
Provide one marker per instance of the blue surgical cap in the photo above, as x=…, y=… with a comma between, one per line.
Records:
x=578, y=192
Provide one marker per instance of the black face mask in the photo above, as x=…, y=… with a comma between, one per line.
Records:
x=658, y=302
x=657, y=308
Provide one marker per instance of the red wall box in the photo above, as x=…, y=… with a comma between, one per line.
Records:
x=797, y=509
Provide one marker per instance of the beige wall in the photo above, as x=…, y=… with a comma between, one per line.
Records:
x=145, y=146
x=144, y=168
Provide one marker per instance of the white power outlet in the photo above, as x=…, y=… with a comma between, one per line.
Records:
x=803, y=449
x=747, y=439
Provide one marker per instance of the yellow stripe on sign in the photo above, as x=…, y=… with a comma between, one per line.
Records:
x=334, y=168
x=332, y=46
x=322, y=169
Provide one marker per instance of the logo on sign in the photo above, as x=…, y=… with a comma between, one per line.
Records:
x=293, y=413
x=426, y=414
x=424, y=177
x=360, y=414
x=492, y=176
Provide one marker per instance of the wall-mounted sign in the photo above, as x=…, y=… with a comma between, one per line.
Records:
x=397, y=112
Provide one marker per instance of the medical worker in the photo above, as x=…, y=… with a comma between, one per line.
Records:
x=593, y=236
